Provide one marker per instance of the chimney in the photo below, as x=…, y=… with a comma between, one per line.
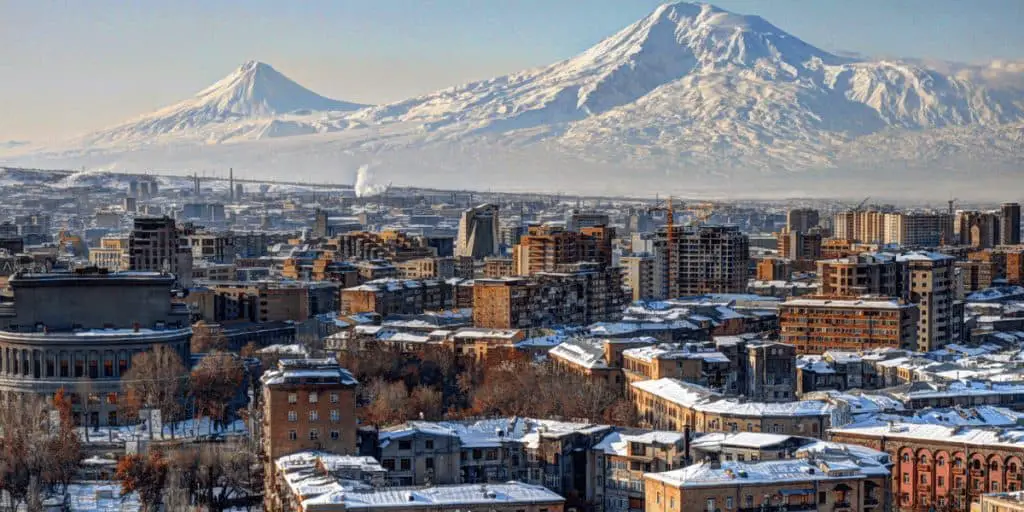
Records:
x=686, y=444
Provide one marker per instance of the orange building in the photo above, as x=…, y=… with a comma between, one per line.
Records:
x=817, y=325
x=944, y=468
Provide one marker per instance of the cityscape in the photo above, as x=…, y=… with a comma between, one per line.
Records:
x=219, y=334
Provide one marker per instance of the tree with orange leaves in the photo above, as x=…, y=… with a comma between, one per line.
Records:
x=144, y=475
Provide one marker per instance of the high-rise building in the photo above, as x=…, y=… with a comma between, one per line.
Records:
x=799, y=245
x=479, y=232
x=156, y=244
x=978, y=229
x=545, y=248
x=1009, y=223
x=578, y=220
x=941, y=319
x=704, y=259
x=640, y=274
x=817, y=325
x=864, y=274
x=918, y=229
x=579, y=297
x=801, y=219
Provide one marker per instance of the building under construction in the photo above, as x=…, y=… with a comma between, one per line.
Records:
x=703, y=259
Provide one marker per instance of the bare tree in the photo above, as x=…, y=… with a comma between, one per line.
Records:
x=24, y=424
x=145, y=475
x=216, y=380
x=64, y=448
x=156, y=379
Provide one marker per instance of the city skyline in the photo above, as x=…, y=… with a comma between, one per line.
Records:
x=91, y=71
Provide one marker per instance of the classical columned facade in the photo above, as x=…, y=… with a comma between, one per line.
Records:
x=88, y=365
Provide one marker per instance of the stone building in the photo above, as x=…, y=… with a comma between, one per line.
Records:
x=79, y=331
x=944, y=468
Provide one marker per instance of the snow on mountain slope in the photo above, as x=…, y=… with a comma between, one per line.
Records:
x=244, y=103
x=690, y=91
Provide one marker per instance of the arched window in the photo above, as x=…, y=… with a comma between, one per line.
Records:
x=923, y=459
x=975, y=464
x=940, y=462
x=906, y=457
x=1012, y=468
x=994, y=465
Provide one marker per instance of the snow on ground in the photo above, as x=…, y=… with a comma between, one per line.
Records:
x=187, y=429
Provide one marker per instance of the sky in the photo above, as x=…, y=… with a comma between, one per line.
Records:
x=69, y=67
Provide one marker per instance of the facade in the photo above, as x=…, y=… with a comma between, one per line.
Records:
x=672, y=404
x=977, y=229
x=397, y=297
x=1009, y=223
x=547, y=248
x=919, y=229
x=79, y=332
x=498, y=267
x=817, y=325
x=940, y=319
x=503, y=497
x=308, y=404
x=801, y=219
x=580, y=297
x=426, y=268
x=941, y=467
x=619, y=462
x=799, y=245
x=479, y=232
x=641, y=276
x=537, y=452
x=704, y=259
x=1002, y=502
x=864, y=274
x=157, y=245
x=841, y=484
x=258, y=301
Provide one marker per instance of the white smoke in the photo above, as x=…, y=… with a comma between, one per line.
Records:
x=364, y=185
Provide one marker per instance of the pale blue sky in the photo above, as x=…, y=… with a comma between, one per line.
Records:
x=72, y=66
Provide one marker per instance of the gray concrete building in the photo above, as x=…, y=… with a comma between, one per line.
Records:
x=78, y=331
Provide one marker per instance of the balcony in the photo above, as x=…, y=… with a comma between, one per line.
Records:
x=871, y=502
x=842, y=506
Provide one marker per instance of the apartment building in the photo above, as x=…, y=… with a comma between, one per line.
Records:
x=600, y=360
x=673, y=404
x=801, y=219
x=941, y=467
x=261, y=301
x=1009, y=223
x=817, y=325
x=864, y=274
x=495, y=267
x=112, y=254
x=546, y=248
x=773, y=269
x=642, y=276
x=537, y=452
x=426, y=268
x=579, y=297
x=799, y=245
x=704, y=259
x=397, y=297
x=940, y=317
x=308, y=404
x=155, y=244
x=837, y=484
x=919, y=229
x=618, y=463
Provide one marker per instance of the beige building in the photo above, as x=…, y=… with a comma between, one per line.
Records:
x=864, y=274
x=1001, y=502
x=426, y=268
x=817, y=325
x=643, y=277
x=704, y=259
x=837, y=485
x=156, y=244
x=674, y=405
x=941, y=317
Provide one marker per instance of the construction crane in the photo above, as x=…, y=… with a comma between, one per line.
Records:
x=860, y=205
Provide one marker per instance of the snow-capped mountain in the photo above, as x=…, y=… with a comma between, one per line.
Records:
x=692, y=92
x=255, y=100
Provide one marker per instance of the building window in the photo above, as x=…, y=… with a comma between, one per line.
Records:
x=314, y=415
x=389, y=464
x=429, y=444
x=313, y=397
x=292, y=435
x=428, y=462
x=822, y=497
x=335, y=415
x=906, y=478
x=293, y=398
x=924, y=479
x=335, y=435
x=940, y=481
x=672, y=502
x=405, y=464
x=728, y=503
x=314, y=434
x=711, y=505
x=334, y=398
x=749, y=500
x=293, y=416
